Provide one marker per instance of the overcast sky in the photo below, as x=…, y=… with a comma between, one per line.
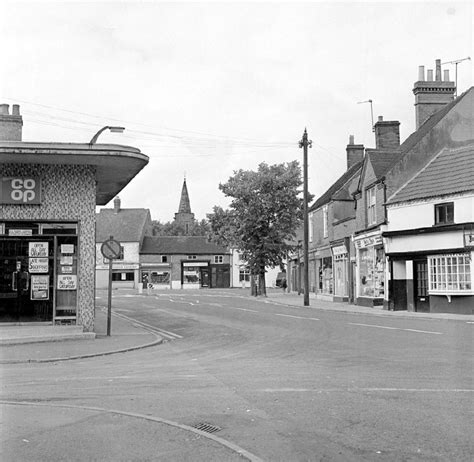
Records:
x=208, y=88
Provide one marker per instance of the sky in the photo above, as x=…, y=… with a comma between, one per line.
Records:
x=205, y=89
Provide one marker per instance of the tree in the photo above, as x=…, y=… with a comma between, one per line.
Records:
x=171, y=228
x=263, y=217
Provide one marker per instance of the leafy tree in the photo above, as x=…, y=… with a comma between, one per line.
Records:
x=172, y=228
x=263, y=217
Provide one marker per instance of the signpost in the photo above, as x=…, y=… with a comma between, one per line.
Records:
x=111, y=249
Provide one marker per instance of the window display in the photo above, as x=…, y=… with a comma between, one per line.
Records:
x=371, y=272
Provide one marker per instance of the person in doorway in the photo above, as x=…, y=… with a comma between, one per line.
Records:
x=284, y=285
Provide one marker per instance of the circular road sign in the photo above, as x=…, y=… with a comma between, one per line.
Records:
x=111, y=249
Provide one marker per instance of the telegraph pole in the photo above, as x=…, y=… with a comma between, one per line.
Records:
x=305, y=143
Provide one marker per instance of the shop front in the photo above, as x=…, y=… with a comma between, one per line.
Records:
x=156, y=276
x=370, y=278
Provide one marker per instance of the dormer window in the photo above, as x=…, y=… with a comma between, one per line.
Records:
x=371, y=201
x=444, y=213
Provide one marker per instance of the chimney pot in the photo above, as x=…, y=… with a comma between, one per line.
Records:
x=380, y=119
x=5, y=109
x=351, y=139
x=16, y=110
x=117, y=204
x=421, y=73
x=430, y=75
x=446, y=75
x=438, y=70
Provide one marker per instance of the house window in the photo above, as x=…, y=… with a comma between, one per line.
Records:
x=244, y=275
x=444, y=213
x=192, y=257
x=325, y=221
x=450, y=273
x=218, y=258
x=370, y=200
x=164, y=259
x=311, y=227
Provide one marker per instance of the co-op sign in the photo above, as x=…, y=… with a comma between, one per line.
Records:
x=20, y=190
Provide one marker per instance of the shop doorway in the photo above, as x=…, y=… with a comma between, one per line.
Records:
x=204, y=277
x=422, y=299
x=25, y=282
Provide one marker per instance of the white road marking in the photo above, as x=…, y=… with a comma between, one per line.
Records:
x=343, y=390
x=395, y=328
x=296, y=317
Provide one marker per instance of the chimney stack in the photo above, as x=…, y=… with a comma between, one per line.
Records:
x=10, y=125
x=431, y=95
x=387, y=134
x=117, y=205
x=355, y=152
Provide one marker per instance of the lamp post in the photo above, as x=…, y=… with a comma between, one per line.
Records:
x=304, y=143
x=107, y=127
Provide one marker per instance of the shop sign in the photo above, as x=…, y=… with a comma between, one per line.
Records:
x=38, y=265
x=67, y=282
x=339, y=250
x=37, y=249
x=201, y=263
x=368, y=242
x=39, y=287
x=20, y=232
x=20, y=190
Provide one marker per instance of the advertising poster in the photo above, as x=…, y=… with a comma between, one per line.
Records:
x=39, y=287
x=66, y=260
x=67, y=248
x=38, y=265
x=37, y=249
x=67, y=282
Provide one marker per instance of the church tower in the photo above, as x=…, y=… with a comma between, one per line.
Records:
x=184, y=216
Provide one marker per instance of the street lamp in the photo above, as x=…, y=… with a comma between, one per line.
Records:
x=107, y=127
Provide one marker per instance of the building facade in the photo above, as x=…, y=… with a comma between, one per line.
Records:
x=48, y=196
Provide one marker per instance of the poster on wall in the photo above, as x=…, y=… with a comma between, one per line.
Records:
x=67, y=248
x=67, y=282
x=66, y=269
x=38, y=265
x=66, y=260
x=39, y=287
x=37, y=249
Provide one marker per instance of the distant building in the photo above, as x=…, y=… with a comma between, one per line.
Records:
x=129, y=227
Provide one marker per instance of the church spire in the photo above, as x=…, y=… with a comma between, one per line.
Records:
x=184, y=216
x=184, y=204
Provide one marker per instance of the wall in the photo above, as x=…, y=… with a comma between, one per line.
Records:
x=421, y=214
x=69, y=193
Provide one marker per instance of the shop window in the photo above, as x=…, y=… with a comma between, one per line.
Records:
x=327, y=286
x=371, y=201
x=450, y=274
x=371, y=272
x=164, y=259
x=122, y=276
x=444, y=213
x=325, y=221
x=191, y=275
x=218, y=259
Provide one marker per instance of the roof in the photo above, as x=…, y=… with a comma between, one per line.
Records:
x=382, y=161
x=336, y=186
x=115, y=165
x=128, y=225
x=451, y=171
x=196, y=245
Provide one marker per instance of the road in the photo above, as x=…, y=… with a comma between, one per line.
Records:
x=285, y=383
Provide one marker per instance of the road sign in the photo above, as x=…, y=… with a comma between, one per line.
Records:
x=111, y=249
